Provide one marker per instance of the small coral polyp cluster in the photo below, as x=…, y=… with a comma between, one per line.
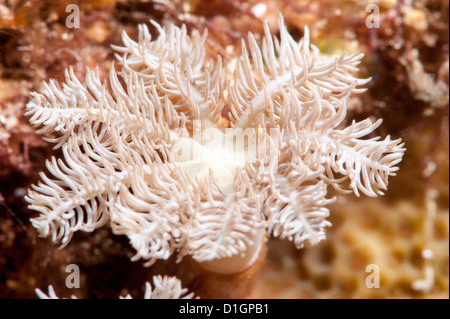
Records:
x=148, y=153
x=163, y=288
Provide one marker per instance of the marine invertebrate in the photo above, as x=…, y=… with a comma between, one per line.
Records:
x=150, y=157
x=163, y=288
